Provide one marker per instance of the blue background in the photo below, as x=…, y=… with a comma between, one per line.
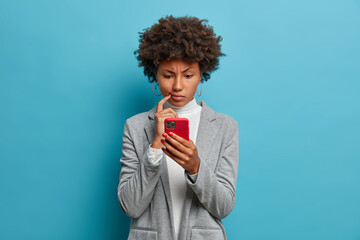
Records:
x=69, y=80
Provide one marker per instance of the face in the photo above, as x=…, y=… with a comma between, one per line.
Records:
x=180, y=78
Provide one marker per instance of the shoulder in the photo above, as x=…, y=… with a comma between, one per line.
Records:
x=229, y=125
x=138, y=121
x=221, y=118
x=138, y=118
x=226, y=119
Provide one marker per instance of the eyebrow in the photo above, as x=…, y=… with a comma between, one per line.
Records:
x=173, y=72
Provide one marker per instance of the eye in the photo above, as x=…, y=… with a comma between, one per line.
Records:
x=189, y=76
x=167, y=76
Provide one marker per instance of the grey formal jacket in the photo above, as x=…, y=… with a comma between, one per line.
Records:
x=144, y=191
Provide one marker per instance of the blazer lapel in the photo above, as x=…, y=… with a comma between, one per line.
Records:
x=206, y=131
x=149, y=127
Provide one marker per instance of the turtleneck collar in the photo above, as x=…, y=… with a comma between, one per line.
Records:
x=188, y=108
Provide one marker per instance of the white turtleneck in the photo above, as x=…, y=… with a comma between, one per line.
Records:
x=177, y=175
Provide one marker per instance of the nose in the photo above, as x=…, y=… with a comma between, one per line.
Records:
x=178, y=83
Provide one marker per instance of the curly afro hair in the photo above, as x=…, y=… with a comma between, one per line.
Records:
x=179, y=38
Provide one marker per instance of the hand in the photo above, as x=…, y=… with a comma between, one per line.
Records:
x=182, y=151
x=160, y=116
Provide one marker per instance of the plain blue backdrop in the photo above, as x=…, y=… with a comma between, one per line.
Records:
x=69, y=80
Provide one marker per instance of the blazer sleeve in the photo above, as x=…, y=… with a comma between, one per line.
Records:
x=138, y=179
x=216, y=191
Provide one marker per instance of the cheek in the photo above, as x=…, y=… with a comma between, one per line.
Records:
x=163, y=84
x=165, y=88
x=194, y=86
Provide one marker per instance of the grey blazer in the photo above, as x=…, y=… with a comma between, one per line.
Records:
x=144, y=191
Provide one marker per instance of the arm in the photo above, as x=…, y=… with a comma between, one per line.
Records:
x=137, y=179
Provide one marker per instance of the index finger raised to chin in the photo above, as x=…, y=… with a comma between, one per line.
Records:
x=161, y=103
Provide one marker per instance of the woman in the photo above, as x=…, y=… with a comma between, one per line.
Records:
x=170, y=187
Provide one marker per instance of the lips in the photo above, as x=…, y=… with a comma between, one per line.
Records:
x=177, y=98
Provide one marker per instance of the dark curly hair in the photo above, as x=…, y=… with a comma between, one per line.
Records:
x=179, y=38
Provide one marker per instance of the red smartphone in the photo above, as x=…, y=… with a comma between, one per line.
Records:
x=179, y=126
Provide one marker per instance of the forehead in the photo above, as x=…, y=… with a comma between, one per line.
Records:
x=178, y=63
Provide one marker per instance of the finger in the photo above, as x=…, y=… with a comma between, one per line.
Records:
x=173, y=157
x=161, y=103
x=173, y=112
x=176, y=144
x=163, y=117
x=169, y=110
x=181, y=140
x=173, y=150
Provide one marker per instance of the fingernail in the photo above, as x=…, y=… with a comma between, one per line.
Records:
x=168, y=94
x=170, y=133
x=162, y=140
x=164, y=135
